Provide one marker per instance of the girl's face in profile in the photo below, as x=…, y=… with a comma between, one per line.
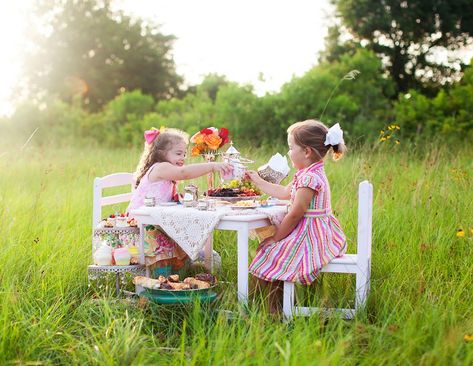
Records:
x=177, y=154
x=296, y=153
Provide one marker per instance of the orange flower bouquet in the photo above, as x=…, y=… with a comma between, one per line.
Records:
x=208, y=140
x=206, y=143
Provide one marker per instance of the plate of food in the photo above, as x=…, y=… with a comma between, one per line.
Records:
x=171, y=290
x=244, y=205
x=235, y=191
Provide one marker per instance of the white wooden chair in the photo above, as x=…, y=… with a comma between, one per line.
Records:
x=358, y=264
x=109, y=181
x=99, y=201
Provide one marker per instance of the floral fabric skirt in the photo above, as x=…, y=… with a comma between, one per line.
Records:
x=160, y=250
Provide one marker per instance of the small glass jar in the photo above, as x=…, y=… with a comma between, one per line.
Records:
x=211, y=205
x=191, y=196
x=149, y=201
x=202, y=205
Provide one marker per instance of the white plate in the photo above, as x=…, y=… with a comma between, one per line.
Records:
x=235, y=199
x=235, y=207
x=167, y=203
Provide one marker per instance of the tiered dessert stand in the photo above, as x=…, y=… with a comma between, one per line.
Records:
x=96, y=272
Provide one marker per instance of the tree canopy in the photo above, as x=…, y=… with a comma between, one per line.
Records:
x=407, y=35
x=84, y=48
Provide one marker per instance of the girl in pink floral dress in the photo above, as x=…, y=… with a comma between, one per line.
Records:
x=161, y=166
x=310, y=236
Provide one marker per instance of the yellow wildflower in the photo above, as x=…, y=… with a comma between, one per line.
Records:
x=381, y=132
x=468, y=337
x=397, y=142
x=460, y=233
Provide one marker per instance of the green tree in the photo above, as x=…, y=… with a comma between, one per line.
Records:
x=448, y=114
x=212, y=84
x=361, y=105
x=406, y=34
x=118, y=124
x=83, y=48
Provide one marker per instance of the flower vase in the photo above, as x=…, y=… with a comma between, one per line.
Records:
x=209, y=158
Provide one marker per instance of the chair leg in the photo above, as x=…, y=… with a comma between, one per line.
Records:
x=288, y=300
x=362, y=286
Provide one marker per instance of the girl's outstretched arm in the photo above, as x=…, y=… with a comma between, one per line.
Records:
x=275, y=190
x=298, y=209
x=168, y=171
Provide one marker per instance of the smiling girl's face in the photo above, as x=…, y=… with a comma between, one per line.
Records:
x=177, y=154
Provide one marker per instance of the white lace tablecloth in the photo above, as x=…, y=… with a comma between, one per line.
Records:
x=190, y=228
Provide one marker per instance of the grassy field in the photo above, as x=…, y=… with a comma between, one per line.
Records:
x=419, y=311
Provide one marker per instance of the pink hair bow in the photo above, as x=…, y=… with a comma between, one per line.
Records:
x=150, y=135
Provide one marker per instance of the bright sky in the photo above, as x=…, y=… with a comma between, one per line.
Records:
x=239, y=39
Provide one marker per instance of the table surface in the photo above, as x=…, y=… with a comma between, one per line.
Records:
x=244, y=215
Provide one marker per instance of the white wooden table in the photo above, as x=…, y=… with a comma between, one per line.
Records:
x=242, y=224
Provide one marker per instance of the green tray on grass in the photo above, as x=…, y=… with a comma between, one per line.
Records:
x=159, y=296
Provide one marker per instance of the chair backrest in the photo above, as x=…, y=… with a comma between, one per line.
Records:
x=112, y=180
x=365, y=217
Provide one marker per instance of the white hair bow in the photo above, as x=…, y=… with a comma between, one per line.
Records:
x=334, y=135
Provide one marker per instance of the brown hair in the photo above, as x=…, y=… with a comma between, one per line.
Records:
x=312, y=134
x=156, y=151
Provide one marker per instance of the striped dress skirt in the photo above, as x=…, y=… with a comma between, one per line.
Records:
x=299, y=257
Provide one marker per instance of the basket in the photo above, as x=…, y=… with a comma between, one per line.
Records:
x=270, y=175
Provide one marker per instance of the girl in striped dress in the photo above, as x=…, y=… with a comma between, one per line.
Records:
x=309, y=237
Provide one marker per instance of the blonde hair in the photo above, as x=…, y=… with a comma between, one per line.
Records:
x=156, y=151
x=312, y=134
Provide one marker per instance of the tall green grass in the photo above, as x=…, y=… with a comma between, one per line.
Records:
x=419, y=309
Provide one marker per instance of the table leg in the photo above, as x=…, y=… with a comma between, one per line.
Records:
x=243, y=264
x=117, y=283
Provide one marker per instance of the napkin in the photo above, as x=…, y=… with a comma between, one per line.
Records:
x=277, y=163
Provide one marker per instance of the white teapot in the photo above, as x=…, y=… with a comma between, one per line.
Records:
x=233, y=157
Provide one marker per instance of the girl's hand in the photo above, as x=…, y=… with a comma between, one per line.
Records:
x=253, y=176
x=266, y=243
x=222, y=168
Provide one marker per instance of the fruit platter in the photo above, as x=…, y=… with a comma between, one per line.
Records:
x=235, y=190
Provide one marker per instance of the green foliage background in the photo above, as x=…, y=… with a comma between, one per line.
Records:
x=362, y=105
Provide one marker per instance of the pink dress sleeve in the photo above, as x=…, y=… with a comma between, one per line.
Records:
x=309, y=180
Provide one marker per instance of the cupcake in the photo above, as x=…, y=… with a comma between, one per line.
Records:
x=122, y=256
x=135, y=254
x=121, y=221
